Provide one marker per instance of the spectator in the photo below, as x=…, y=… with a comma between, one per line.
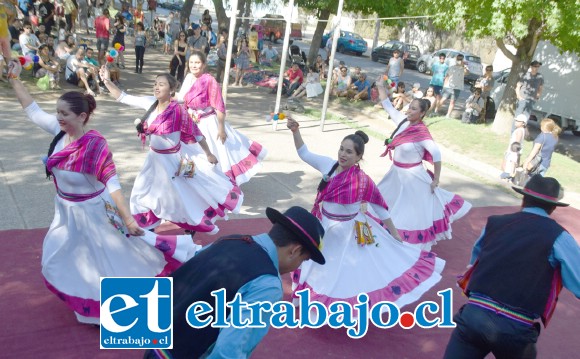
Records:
x=361, y=89
x=415, y=93
x=102, y=28
x=29, y=43
x=513, y=153
x=320, y=66
x=206, y=18
x=395, y=67
x=62, y=31
x=453, y=84
x=119, y=38
x=473, y=107
x=27, y=8
x=341, y=82
x=544, y=146
x=253, y=44
x=177, y=64
x=46, y=11
x=15, y=30
x=430, y=95
x=47, y=65
x=77, y=71
x=197, y=41
x=328, y=47
x=354, y=75
x=242, y=61
x=70, y=15
x=312, y=87
x=222, y=56
x=439, y=71
x=270, y=55
x=486, y=84
x=529, y=89
x=140, y=42
x=401, y=98
x=83, y=11
x=4, y=37
x=293, y=78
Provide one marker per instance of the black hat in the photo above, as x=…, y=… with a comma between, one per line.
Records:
x=305, y=225
x=536, y=63
x=546, y=189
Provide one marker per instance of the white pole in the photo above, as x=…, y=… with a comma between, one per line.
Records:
x=283, y=58
x=335, y=36
x=226, y=79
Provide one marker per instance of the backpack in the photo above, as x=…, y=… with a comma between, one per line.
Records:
x=213, y=39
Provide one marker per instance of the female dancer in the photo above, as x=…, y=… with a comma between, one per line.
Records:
x=177, y=183
x=378, y=264
x=93, y=234
x=239, y=157
x=422, y=212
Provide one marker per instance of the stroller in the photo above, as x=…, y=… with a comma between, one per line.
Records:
x=295, y=55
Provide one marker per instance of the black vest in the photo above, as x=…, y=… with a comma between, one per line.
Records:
x=228, y=263
x=513, y=266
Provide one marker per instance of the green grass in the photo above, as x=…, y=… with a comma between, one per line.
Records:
x=482, y=144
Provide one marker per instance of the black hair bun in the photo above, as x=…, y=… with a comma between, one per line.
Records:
x=362, y=135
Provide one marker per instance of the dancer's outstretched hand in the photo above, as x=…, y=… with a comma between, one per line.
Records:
x=292, y=124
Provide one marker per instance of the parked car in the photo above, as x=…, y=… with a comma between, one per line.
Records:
x=409, y=53
x=274, y=27
x=348, y=41
x=472, y=61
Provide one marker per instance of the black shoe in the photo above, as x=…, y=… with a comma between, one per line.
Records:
x=136, y=71
x=140, y=71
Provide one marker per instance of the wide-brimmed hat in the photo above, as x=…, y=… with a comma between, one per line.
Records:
x=522, y=117
x=546, y=189
x=304, y=225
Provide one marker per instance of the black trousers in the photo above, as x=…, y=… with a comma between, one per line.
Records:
x=139, y=56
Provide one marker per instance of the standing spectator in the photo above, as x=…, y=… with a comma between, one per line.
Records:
x=270, y=55
x=253, y=43
x=439, y=71
x=83, y=11
x=395, y=67
x=197, y=40
x=46, y=11
x=222, y=52
x=29, y=43
x=27, y=8
x=119, y=38
x=174, y=26
x=473, y=107
x=69, y=15
x=15, y=30
x=544, y=146
x=361, y=89
x=529, y=89
x=513, y=153
x=140, y=42
x=177, y=64
x=293, y=78
x=206, y=18
x=102, y=29
x=5, y=47
x=453, y=84
x=505, y=297
x=328, y=47
x=486, y=84
x=242, y=61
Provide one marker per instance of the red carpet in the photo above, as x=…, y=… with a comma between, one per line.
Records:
x=36, y=324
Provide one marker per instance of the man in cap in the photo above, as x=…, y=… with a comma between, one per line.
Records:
x=197, y=41
x=249, y=265
x=518, y=267
x=529, y=89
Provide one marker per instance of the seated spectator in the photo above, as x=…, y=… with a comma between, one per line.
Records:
x=473, y=107
x=269, y=55
x=77, y=71
x=41, y=29
x=15, y=30
x=293, y=78
x=341, y=83
x=361, y=89
x=29, y=43
x=400, y=97
x=62, y=33
x=354, y=74
x=415, y=93
x=320, y=67
x=47, y=65
x=430, y=95
x=312, y=87
x=93, y=67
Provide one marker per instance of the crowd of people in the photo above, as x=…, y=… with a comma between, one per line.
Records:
x=196, y=163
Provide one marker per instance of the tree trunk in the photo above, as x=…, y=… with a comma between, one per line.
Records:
x=504, y=117
x=222, y=19
x=186, y=11
x=317, y=37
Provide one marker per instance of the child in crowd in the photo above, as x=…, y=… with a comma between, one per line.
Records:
x=513, y=153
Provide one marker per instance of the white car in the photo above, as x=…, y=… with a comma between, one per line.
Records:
x=472, y=61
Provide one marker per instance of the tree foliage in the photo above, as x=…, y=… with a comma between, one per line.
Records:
x=521, y=23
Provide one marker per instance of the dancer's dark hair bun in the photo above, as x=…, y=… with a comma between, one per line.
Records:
x=363, y=135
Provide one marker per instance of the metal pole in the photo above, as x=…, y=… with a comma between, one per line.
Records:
x=226, y=79
x=335, y=36
x=283, y=58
